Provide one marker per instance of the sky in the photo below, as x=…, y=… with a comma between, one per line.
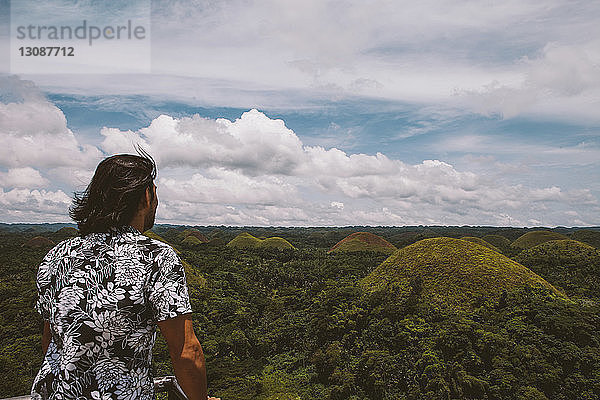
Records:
x=312, y=113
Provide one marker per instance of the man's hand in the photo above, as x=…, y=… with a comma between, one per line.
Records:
x=186, y=355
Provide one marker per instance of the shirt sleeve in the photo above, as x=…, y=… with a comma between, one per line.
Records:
x=43, y=280
x=167, y=289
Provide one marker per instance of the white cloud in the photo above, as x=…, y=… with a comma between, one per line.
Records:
x=34, y=131
x=257, y=170
x=24, y=205
x=513, y=57
x=220, y=186
x=22, y=178
x=562, y=82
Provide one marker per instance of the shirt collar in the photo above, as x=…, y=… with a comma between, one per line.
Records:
x=124, y=229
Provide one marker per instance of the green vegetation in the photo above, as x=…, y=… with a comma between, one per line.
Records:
x=297, y=323
x=481, y=242
x=39, y=242
x=499, y=241
x=153, y=235
x=534, y=238
x=364, y=241
x=569, y=264
x=194, y=233
x=192, y=241
x=451, y=273
x=68, y=231
x=246, y=241
x=588, y=236
x=275, y=243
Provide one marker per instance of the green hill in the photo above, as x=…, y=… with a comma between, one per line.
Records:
x=246, y=241
x=67, y=231
x=363, y=241
x=451, y=272
x=193, y=277
x=39, y=242
x=191, y=240
x=570, y=264
x=192, y=232
x=480, y=242
x=216, y=241
x=587, y=236
x=534, y=238
x=275, y=243
x=498, y=241
x=406, y=238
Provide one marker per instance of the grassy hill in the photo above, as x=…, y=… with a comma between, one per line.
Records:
x=192, y=232
x=192, y=240
x=363, y=241
x=39, y=242
x=451, y=273
x=275, y=242
x=498, y=241
x=569, y=264
x=480, y=242
x=587, y=236
x=246, y=241
x=534, y=238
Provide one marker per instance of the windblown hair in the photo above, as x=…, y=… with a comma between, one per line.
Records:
x=113, y=196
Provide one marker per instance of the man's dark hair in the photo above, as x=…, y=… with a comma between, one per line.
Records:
x=114, y=194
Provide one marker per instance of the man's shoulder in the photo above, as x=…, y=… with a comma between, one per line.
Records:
x=64, y=247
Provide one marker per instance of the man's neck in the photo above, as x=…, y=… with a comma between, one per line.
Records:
x=138, y=223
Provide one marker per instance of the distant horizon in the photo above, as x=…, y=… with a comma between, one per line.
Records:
x=325, y=226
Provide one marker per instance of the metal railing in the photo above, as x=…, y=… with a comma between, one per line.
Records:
x=163, y=384
x=169, y=385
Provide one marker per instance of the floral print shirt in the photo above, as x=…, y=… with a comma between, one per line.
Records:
x=103, y=294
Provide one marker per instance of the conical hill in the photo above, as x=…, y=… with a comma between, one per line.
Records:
x=363, y=241
x=588, y=236
x=569, y=264
x=39, y=242
x=498, y=241
x=480, y=242
x=246, y=241
x=534, y=238
x=191, y=240
x=451, y=273
x=275, y=242
x=67, y=231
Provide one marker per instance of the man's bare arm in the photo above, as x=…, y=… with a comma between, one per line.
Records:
x=46, y=337
x=186, y=355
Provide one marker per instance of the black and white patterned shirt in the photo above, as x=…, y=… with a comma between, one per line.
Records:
x=103, y=294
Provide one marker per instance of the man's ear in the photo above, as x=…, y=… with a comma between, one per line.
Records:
x=148, y=197
x=145, y=199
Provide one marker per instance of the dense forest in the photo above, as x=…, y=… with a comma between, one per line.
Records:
x=502, y=313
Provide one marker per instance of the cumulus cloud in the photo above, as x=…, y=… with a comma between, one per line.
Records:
x=255, y=169
x=22, y=178
x=34, y=131
x=24, y=205
x=220, y=186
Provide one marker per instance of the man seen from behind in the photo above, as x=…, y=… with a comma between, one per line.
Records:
x=103, y=293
